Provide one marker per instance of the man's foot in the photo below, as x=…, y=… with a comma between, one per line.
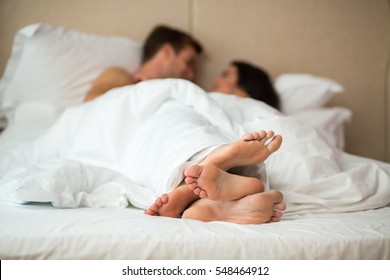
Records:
x=251, y=149
x=258, y=208
x=172, y=204
x=211, y=182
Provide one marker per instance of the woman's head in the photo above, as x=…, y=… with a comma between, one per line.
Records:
x=245, y=80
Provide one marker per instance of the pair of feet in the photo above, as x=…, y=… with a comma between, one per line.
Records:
x=210, y=193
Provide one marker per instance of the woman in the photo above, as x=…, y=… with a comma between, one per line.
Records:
x=246, y=80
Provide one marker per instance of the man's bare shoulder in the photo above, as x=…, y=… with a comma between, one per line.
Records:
x=115, y=75
x=110, y=78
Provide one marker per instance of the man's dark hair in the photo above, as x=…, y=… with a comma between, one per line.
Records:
x=163, y=34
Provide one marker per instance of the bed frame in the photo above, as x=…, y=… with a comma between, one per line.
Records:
x=348, y=41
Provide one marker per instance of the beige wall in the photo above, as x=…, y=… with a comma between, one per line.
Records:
x=387, y=115
x=346, y=40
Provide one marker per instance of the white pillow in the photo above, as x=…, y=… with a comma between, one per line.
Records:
x=329, y=122
x=54, y=64
x=299, y=92
x=17, y=49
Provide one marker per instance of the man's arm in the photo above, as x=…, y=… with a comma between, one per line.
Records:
x=111, y=78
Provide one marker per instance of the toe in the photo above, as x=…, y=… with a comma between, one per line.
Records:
x=269, y=134
x=277, y=196
x=274, y=144
x=202, y=194
x=158, y=202
x=154, y=207
x=256, y=135
x=280, y=206
x=274, y=219
x=277, y=214
x=164, y=198
x=262, y=134
x=189, y=180
x=149, y=211
x=192, y=186
x=248, y=137
x=193, y=171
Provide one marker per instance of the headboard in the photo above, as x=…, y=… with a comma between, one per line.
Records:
x=345, y=40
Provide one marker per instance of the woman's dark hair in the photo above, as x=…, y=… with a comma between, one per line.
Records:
x=256, y=82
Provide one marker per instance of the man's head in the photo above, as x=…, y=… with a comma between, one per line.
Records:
x=177, y=52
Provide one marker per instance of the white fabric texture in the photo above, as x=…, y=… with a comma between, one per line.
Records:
x=142, y=136
x=329, y=122
x=42, y=232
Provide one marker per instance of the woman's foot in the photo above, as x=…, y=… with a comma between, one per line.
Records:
x=251, y=149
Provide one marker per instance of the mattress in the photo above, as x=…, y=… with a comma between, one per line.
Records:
x=40, y=231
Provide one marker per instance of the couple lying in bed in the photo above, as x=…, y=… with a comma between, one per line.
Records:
x=209, y=192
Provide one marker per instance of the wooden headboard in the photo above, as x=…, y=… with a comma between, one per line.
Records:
x=346, y=40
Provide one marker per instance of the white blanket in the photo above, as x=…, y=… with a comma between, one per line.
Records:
x=133, y=143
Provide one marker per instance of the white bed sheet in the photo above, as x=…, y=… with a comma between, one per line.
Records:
x=39, y=231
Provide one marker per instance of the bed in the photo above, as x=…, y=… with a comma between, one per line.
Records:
x=42, y=220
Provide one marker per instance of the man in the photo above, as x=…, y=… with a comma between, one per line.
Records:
x=167, y=53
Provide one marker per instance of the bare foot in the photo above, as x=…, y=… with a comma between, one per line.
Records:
x=251, y=149
x=211, y=182
x=172, y=204
x=258, y=208
x=277, y=213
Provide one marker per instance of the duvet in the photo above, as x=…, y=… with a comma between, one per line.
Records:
x=133, y=144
